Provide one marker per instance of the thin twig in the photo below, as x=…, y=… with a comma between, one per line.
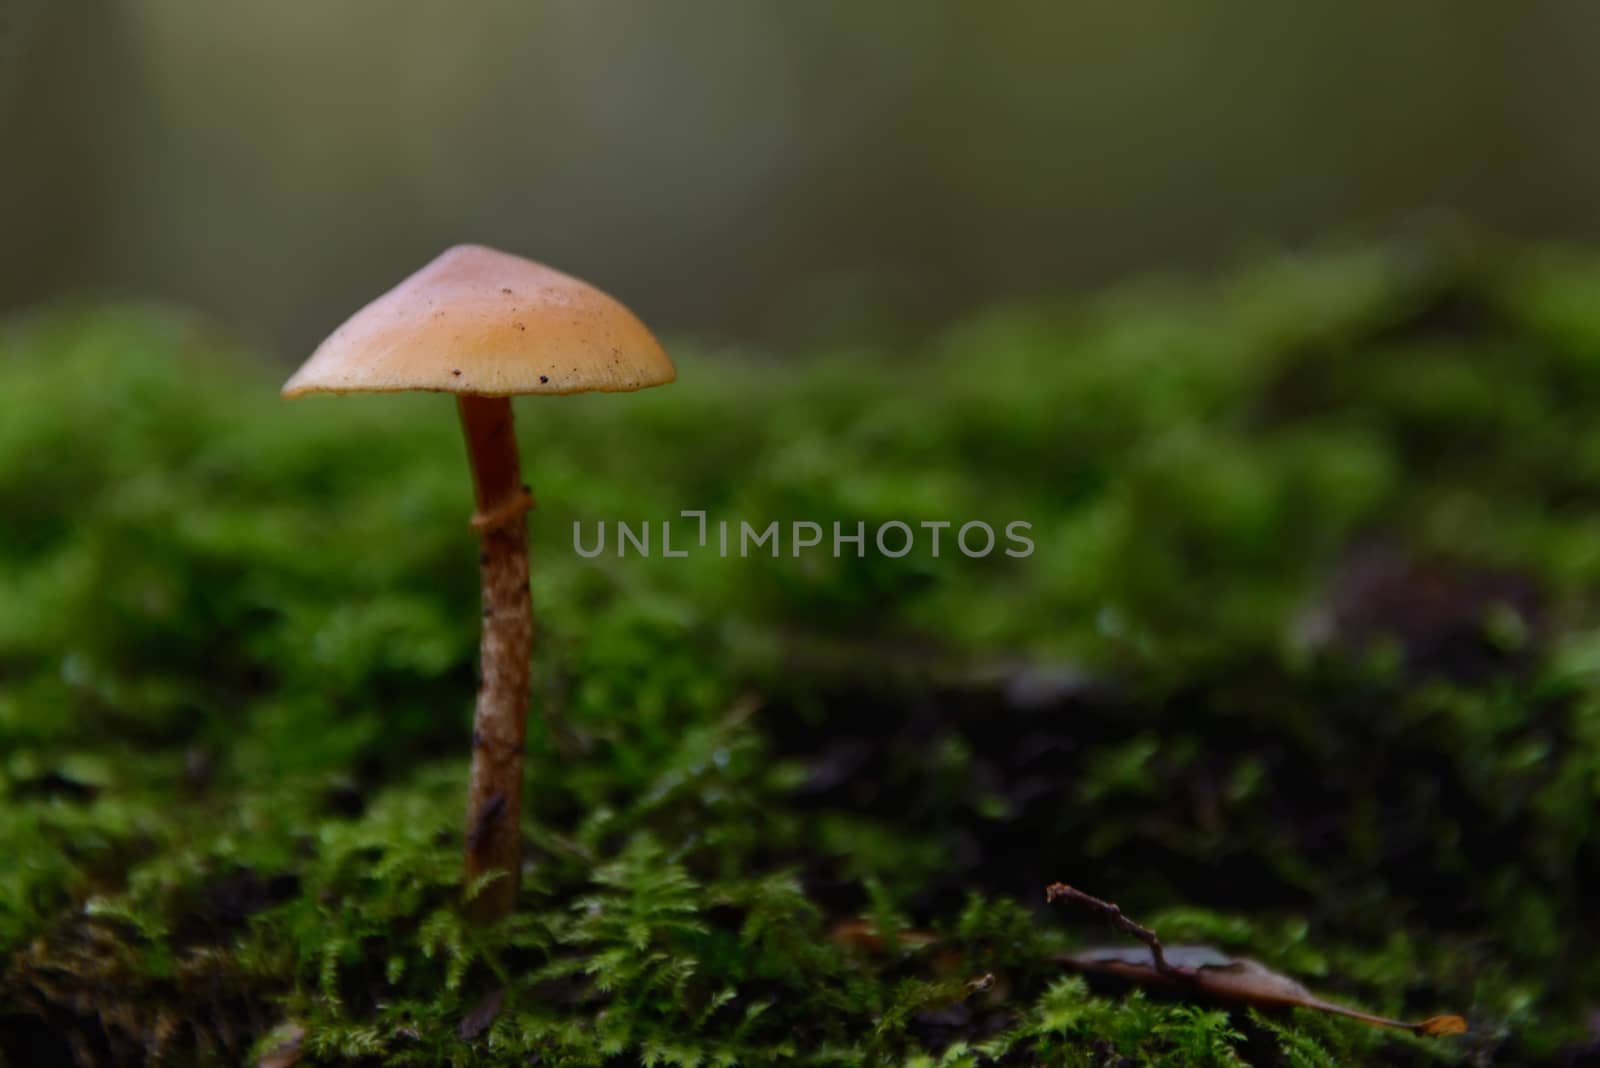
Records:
x=1056, y=891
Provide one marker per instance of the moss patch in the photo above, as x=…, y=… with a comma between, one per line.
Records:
x=1303, y=665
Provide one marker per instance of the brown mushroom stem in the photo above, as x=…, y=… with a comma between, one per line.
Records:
x=494, y=796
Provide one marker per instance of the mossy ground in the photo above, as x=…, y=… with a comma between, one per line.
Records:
x=1304, y=665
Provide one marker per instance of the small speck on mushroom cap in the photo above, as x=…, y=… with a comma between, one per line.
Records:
x=450, y=328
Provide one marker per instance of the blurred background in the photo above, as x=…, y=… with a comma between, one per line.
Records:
x=789, y=174
x=1306, y=665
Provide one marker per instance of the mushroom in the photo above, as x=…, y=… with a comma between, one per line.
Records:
x=487, y=326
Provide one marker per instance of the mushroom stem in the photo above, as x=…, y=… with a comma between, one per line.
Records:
x=494, y=796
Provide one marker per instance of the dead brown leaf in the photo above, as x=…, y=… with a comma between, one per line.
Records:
x=863, y=936
x=1212, y=974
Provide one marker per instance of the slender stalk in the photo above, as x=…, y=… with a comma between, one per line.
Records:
x=494, y=795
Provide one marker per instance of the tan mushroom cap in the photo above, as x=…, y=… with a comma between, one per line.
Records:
x=491, y=324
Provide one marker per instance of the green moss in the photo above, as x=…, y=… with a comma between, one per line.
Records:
x=1321, y=536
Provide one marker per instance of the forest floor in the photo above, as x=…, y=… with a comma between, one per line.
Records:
x=1304, y=666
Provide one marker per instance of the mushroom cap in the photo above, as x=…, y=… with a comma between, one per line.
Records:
x=487, y=323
